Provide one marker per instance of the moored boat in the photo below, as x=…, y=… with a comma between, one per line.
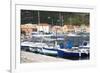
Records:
x=50, y=51
x=85, y=49
x=75, y=52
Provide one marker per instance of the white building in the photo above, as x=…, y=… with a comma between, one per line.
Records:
x=43, y=27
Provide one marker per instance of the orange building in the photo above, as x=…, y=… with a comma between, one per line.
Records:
x=57, y=29
x=29, y=28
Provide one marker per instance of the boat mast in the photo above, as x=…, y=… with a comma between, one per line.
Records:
x=38, y=17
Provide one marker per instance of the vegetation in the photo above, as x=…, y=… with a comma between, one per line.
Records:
x=54, y=18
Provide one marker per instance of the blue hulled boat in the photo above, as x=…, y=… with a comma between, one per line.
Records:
x=75, y=52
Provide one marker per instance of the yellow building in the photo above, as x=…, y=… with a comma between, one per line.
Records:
x=68, y=28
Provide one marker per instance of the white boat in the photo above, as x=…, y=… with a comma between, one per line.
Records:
x=72, y=34
x=53, y=50
x=26, y=45
x=41, y=34
x=50, y=51
x=85, y=48
x=39, y=47
x=32, y=46
x=45, y=48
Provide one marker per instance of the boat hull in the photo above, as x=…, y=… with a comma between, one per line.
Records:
x=72, y=55
x=64, y=54
x=49, y=51
x=25, y=48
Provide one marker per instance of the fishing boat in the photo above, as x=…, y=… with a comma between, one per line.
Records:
x=32, y=46
x=26, y=45
x=45, y=40
x=52, y=47
x=70, y=50
x=50, y=51
x=75, y=52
